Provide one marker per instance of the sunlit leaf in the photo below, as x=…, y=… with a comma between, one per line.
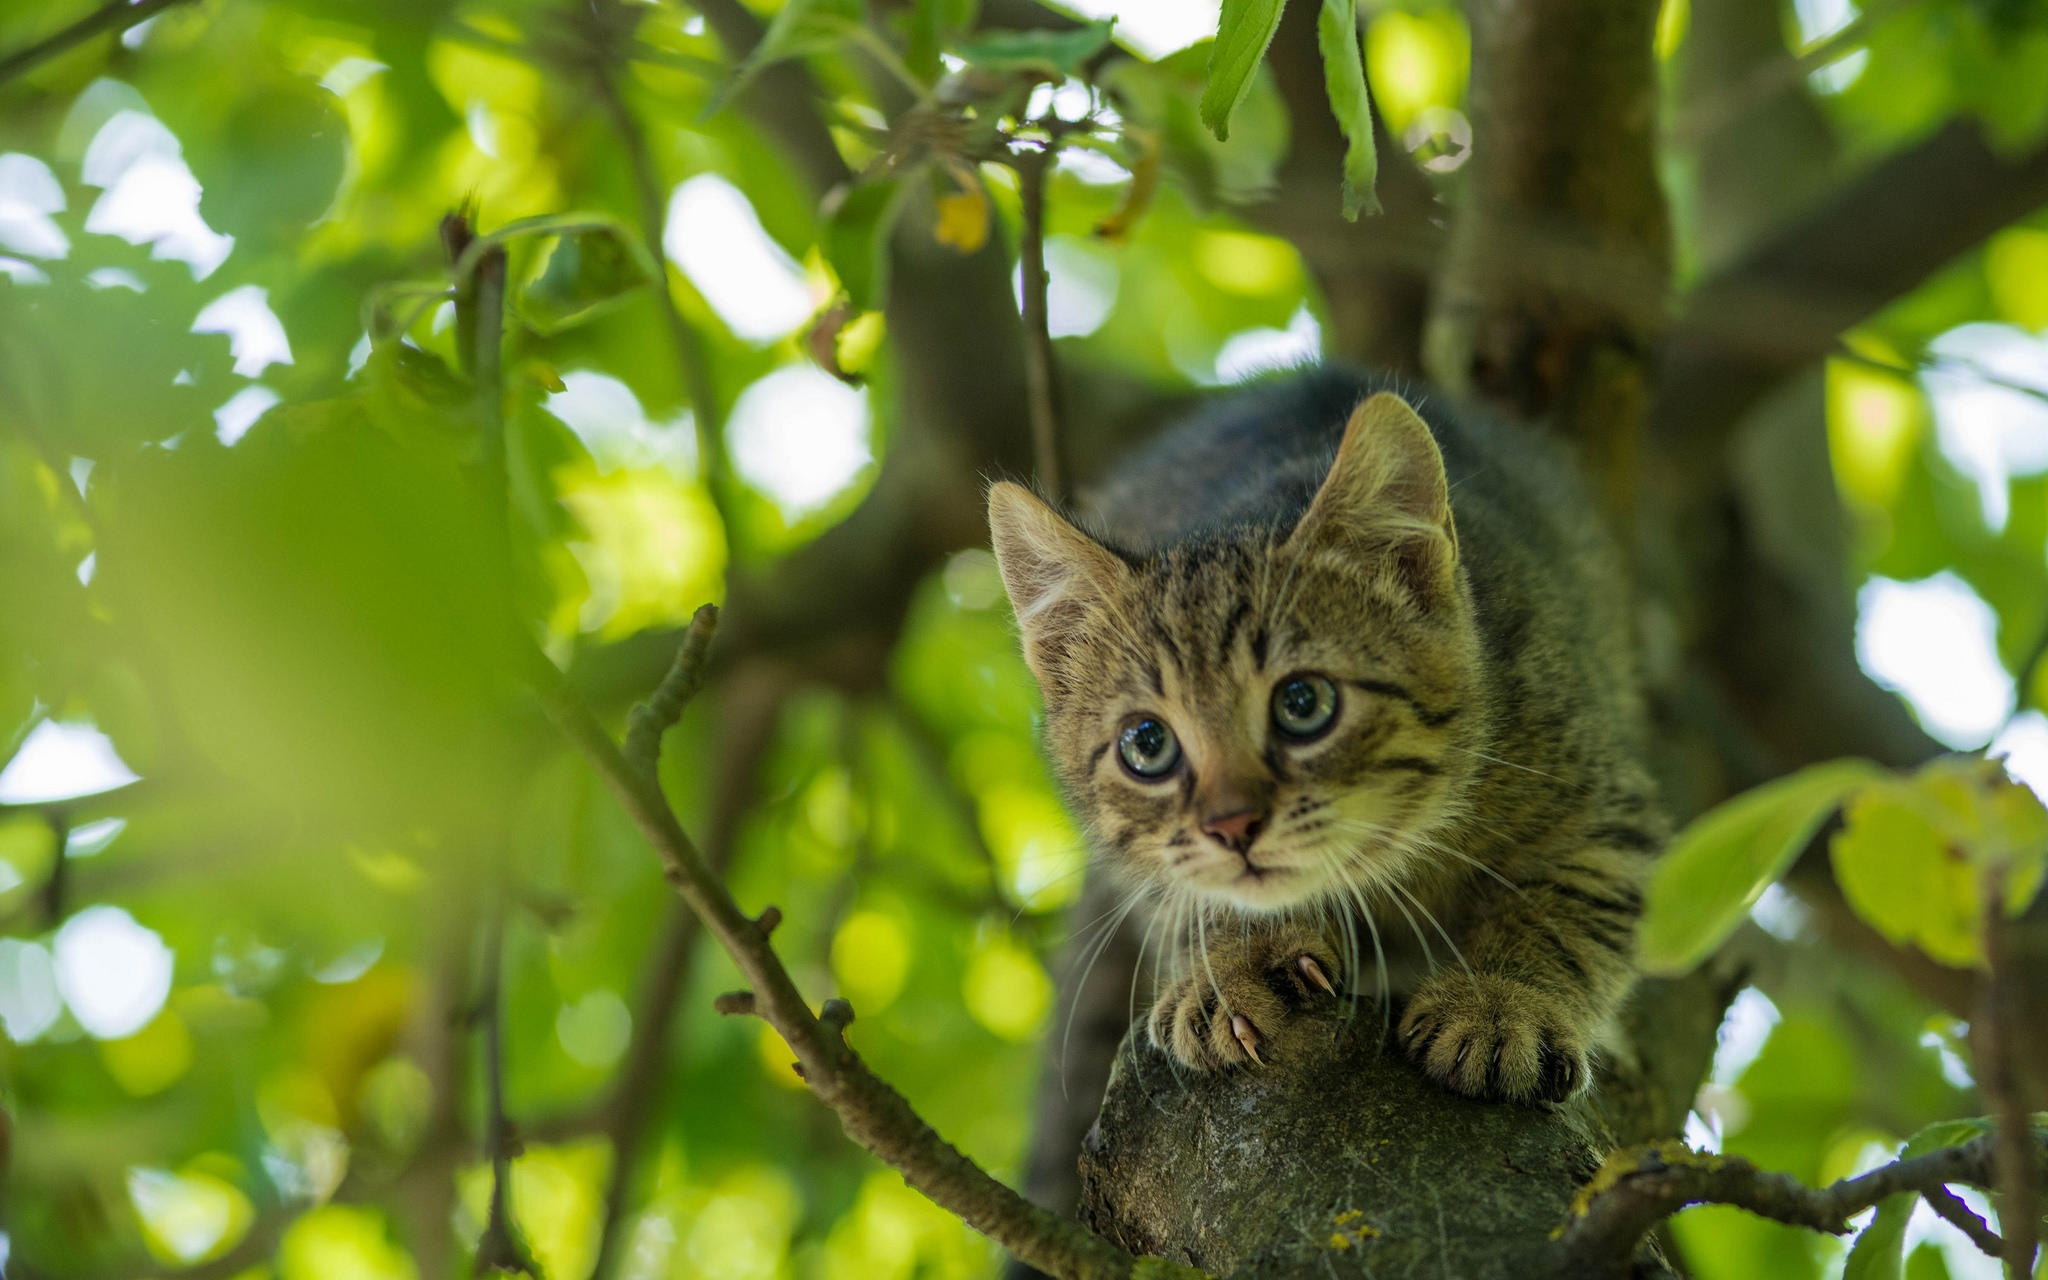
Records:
x=1344, y=80
x=1913, y=853
x=1718, y=866
x=1243, y=30
x=962, y=219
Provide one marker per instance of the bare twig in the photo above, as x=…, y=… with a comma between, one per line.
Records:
x=751, y=698
x=500, y=1248
x=2018, y=1170
x=1950, y=1206
x=664, y=707
x=108, y=19
x=873, y=1114
x=1639, y=1187
x=1041, y=380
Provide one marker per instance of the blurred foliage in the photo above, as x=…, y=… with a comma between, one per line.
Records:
x=242, y=538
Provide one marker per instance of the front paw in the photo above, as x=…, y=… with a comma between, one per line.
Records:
x=1222, y=1011
x=1492, y=1037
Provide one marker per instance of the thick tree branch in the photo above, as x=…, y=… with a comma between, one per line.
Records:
x=1563, y=191
x=1786, y=303
x=872, y=1113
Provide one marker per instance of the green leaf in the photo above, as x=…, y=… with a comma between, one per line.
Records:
x=1243, y=31
x=1160, y=98
x=1054, y=54
x=1351, y=101
x=1718, y=866
x=273, y=165
x=800, y=27
x=1879, y=1252
x=1912, y=854
x=855, y=241
x=583, y=275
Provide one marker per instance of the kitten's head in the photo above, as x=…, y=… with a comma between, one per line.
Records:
x=1264, y=718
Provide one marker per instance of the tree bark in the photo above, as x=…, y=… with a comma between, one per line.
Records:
x=1339, y=1158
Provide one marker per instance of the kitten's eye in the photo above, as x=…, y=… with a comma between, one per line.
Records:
x=1148, y=748
x=1304, y=705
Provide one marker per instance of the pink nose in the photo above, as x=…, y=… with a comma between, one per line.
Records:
x=1235, y=831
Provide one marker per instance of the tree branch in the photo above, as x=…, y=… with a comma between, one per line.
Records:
x=500, y=1248
x=706, y=410
x=781, y=98
x=751, y=698
x=108, y=19
x=664, y=707
x=1041, y=381
x=1786, y=303
x=1950, y=1206
x=1990, y=1036
x=1640, y=1187
x=1563, y=191
x=872, y=1113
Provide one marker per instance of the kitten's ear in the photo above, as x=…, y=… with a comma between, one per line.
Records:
x=1387, y=494
x=1057, y=577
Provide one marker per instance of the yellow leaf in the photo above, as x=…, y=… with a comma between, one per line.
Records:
x=963, y=220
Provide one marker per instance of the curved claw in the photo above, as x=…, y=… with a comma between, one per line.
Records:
x=1315, y=975
x=1247, y=1035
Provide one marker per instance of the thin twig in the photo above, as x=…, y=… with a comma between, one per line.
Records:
x=872, y=1113
x=1960, y=1215
x=1639, y=1187
x=500, y=1247
x=687, y=344
x=752, y=699
x=2018, y=1194
x=664, y=707
x=1041, y=380
x=108, y=19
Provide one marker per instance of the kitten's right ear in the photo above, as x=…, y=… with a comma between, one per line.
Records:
x=1058, y=578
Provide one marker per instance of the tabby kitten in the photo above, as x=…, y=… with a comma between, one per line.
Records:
x=1322, y=672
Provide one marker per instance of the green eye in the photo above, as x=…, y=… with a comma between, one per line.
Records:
x=1148, y=747
x=1304, y=705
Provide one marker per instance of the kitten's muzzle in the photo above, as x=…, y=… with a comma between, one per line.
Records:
x=1235, y=831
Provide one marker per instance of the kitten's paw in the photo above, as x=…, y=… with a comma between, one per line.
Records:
x=1486, y=1036
x=1223, y=1010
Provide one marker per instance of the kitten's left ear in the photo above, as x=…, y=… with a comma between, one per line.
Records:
x=1059, y=579
x=1387, y=494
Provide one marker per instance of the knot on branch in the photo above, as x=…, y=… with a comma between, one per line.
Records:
x=735, y=1003
x=836, y=1016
